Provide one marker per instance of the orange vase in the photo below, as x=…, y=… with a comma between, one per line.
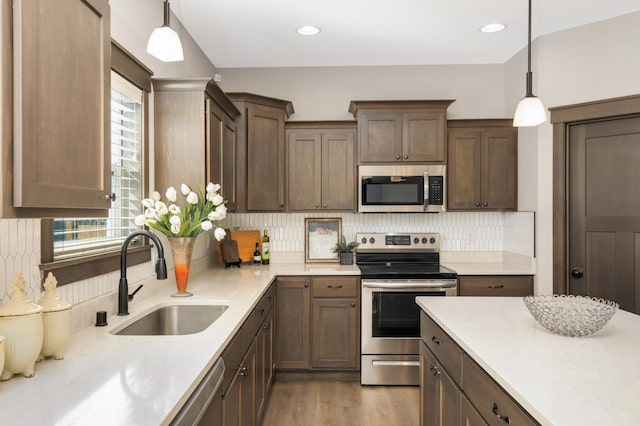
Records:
x=181, y=250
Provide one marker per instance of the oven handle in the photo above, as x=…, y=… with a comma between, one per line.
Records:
x=396, y=363
x=408, y=286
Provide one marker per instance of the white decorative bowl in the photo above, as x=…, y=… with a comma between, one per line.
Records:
x=572, y=316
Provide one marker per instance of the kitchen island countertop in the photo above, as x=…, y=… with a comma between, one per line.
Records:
x=142, y=380
x=559, y=380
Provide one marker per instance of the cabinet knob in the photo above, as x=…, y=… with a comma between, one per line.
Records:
x=353, y=304
x=317, y=205
x=324, y=205
x=266, y=326
x=110, y=197
x=435, y=340
x=477, y=204
x=577, y=272
x=244, y=371
x=485, y=204
x=261, y=311
x=397, y=157
x=306, y=285
x=406, y=157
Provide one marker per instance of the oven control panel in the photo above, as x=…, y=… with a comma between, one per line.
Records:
x=393, y=241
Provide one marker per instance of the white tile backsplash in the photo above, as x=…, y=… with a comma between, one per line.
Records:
x=460, y=232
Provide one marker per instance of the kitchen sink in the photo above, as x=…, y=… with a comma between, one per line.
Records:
x=174, y=320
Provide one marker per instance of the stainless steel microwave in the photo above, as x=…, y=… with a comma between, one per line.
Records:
x=401, y=188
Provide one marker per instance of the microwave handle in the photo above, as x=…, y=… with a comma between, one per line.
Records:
x=426, y=190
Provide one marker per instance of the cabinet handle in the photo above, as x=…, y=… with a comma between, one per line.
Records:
x=244, y=371
x=261, y=311
x=435, y=371
x=110, y=197
x=353, y=304
x=434, y=340
x=266, y=326
x=334, y=286
x=495, y=286
x=505, y=419
x=406, y=157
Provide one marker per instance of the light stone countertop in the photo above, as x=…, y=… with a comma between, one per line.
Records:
x=488, y=263
x=559, y=380
x=142, y=380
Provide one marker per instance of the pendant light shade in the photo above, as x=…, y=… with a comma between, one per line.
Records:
x=164, y=42
x=530, y=111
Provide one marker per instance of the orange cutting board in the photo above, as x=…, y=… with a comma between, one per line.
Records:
x=246, y=244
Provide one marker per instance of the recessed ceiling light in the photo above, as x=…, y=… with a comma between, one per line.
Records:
x=308, y=30
x=493, y=28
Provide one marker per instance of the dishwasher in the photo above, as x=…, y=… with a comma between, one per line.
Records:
x=200, y=407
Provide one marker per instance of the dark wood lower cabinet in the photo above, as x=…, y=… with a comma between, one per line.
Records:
x=462, y=393
x=249, y=366
x=317, y=323
x=441, y=397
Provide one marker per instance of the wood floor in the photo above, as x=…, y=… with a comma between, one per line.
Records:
x=316, y=402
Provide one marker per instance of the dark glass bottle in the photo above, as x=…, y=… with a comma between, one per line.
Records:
x=256, y=255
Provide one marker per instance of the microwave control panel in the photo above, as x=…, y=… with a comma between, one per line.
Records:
x=436, y=190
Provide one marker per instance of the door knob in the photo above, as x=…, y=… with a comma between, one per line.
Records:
x=577, y=272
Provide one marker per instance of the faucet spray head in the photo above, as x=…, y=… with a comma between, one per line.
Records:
x=161, y=269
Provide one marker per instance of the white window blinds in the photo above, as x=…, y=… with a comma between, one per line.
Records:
x=83, y=236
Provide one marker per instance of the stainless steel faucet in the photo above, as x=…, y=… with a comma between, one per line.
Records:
x=123, y=286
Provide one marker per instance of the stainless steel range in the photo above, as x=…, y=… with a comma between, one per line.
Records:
x=395, y=269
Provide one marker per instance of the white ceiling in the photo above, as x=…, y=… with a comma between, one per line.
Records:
x=261, y=33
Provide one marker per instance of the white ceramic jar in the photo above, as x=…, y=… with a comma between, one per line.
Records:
x=56, y=317
x=1, y=354
x=22, y=327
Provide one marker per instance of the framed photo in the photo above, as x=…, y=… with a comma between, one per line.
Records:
x=321, y=235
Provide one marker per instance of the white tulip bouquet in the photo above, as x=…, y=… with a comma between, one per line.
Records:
x=196, y=216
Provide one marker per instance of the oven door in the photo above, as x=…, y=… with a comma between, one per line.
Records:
x=390, y=315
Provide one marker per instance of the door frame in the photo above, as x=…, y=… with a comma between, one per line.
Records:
x=562, y=118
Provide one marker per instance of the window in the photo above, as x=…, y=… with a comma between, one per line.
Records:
x=79, y=248
x=82, y=237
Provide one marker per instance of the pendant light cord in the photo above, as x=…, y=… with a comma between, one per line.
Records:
x=167, y=12
x=529, y=93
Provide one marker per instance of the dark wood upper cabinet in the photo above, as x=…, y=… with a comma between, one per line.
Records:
x=321, y=168
x=260, y=152
x=482, y=172
x=401, y=131
x=59, y=120
x=194, y=124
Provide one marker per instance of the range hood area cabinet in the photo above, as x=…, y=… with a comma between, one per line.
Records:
x=260, y=152
x=482, y=172
x=321, y=166
x=195, y=136
x=57, y=62
x=401, y=131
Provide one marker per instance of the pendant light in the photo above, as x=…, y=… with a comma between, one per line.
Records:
x=530, y=111
x=164, y=42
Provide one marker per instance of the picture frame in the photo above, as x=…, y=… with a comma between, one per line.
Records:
x=321, y=236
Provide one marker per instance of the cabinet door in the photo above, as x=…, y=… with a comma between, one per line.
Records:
x=304, y=156
x=440, y=397
x=265, y=158
x=470, y=416
x=338, y=171
x=61, y=104
x=423, y=137
x=380, y=137
x=264, y=365
x=292, y=322
x=248, y=387
x=499, y=168
x=334, y=341
x=229, y=163
x=464, y=171
x=213, y=145
x=231, y=403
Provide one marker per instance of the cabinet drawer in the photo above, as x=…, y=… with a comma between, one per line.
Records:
x=504, y=285
x=338, y=287
x=491, y=401
x=447, y=351
x=262, y=309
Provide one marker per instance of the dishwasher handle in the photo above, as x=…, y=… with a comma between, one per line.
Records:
x=192, y=411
